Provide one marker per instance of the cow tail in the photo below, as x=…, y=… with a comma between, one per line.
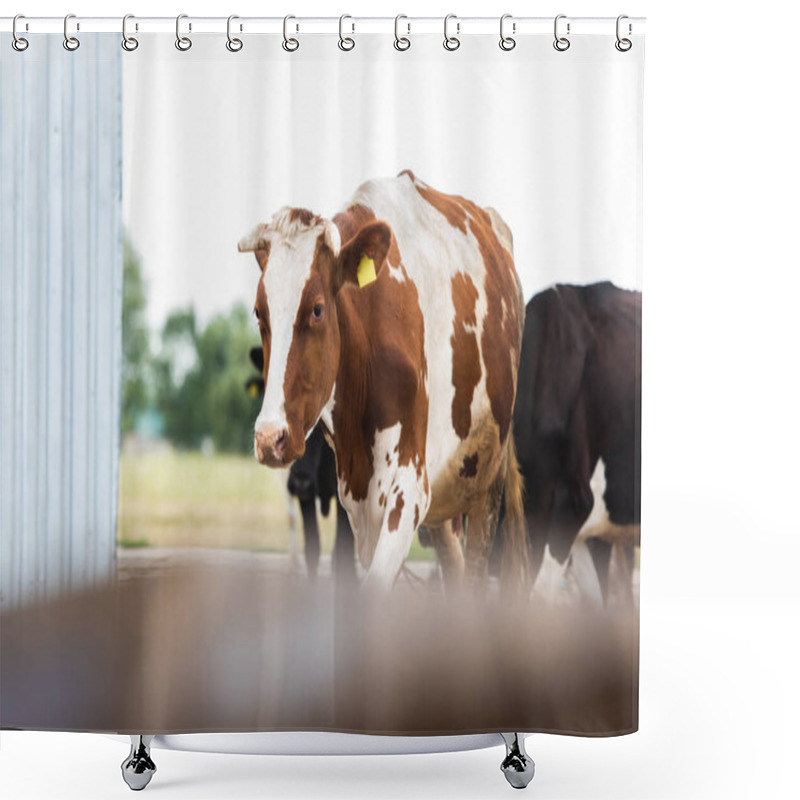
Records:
x=515, y=564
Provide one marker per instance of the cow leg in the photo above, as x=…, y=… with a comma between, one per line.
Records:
x=601, y=556
x=405, y=505
x=344, y=548
x=449, y=553
x=480, y=533
x=291, y=511
x=308, y=508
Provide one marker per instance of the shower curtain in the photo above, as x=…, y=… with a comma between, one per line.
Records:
x=321, y=383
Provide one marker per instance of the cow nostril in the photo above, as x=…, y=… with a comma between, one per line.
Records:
x=281, y=437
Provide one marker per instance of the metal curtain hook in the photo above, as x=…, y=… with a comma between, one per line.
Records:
x=623, y=45
x=507, y=42
x=70, y=42
x=234, y=45
x=451, y=42
x=289, y=44
x=561, y=43
x=401, y=42
x=129, y=43
x=183, y=43
x=346, y=42
x=18, y=42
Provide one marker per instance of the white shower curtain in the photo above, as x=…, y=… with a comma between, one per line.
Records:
x=219, y=621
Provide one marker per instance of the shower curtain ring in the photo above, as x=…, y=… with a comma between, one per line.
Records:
x=18, y=42
x=233, y=44
x=70, y=42
x=183, y=43
x=561, y=43
x=346, y=42
x=129, y=43
x=451, y=42
x=401, y=42
x=623, y=45
x=290, y=44
x=507, y=42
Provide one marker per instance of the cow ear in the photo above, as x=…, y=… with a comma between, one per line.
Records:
x=362, y=258
x=257, y=358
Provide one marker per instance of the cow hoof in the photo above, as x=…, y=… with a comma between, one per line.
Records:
x=138, y=768
x=517, y=766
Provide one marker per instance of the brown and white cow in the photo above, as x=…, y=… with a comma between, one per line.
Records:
x=398, y=324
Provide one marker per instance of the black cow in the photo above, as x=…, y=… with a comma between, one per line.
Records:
x=310, y=477
x=579, y=400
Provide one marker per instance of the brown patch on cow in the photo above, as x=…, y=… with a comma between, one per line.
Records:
x=351, y=221
x=469, y=467
x=395, y=513
x=416, y=517
x=388, y=459
x=382, y=366
x=306, y=217
x=262, y=253
x=501, y=338
x=502, y=331
x=262, y=312
x=382, y=499
x=446, y=204
x=466, y=357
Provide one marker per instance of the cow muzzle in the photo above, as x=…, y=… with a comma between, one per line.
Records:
x=271, y=446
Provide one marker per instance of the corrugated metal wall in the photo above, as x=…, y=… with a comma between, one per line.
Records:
x=60, y=307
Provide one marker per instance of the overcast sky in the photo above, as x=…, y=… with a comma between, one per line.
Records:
x=215, y=142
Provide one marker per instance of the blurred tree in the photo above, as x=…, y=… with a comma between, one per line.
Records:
x=200, y=378
x=135, y=338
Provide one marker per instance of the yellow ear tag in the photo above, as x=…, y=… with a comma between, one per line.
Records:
x=366, y=271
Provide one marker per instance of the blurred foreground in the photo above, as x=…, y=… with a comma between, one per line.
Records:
x=223, y=646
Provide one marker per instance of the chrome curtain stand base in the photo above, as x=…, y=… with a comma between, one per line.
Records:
x=138, y=768
x=517, y=766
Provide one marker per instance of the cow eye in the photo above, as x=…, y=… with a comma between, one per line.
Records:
x=318, y=309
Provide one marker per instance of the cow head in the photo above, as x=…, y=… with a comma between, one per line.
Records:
x=303, y=267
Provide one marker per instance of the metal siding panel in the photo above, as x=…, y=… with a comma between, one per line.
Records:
x=60, y=352
x=76, y=265
x=52, y=357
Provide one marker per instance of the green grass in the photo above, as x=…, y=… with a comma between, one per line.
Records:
x=186, y=499
x=132, y=544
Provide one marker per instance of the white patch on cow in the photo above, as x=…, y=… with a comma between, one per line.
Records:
x=327, y=411
x=382, y=551
x=292, y=248
x=395, y=272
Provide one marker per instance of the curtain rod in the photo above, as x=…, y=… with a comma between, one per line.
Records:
x=324, y=25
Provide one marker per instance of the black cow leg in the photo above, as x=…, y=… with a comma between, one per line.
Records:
x=629, y=557
x=310, y=536
x=344, y=548
x=601, y=556
x=536, y=545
